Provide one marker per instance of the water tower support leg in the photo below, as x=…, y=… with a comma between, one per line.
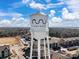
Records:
x=31, y=48
x=48, y=47
x=45, y=49
x=39, y=49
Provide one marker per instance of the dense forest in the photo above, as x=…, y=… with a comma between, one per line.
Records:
x=53, y=32
x=11, y=32
x=64, y=32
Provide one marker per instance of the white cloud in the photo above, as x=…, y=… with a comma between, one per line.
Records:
x=5, y=23
x=14, y=22
x=33, y=4
x=20, y=22
x=52, y=13
x=52, y=5
x=55, y=22
x=69, y=16
x=25, y=1
x=13, y=14
x=73, y=5
x=38, y=6
x=68, y=19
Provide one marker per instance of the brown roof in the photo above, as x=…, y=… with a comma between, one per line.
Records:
x=38, y=14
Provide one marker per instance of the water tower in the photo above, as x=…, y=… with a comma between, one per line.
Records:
x=39, y=37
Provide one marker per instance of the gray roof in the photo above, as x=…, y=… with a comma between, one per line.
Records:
x=3, y=47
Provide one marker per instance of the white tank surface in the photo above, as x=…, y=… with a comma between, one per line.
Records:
x=39, y=21
x=39, y=25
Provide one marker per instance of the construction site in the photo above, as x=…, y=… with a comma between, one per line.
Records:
x=15, y=46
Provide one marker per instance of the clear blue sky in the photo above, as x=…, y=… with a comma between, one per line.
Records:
x=62, y=13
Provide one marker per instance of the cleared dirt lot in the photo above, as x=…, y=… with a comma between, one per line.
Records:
x=9, y=40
